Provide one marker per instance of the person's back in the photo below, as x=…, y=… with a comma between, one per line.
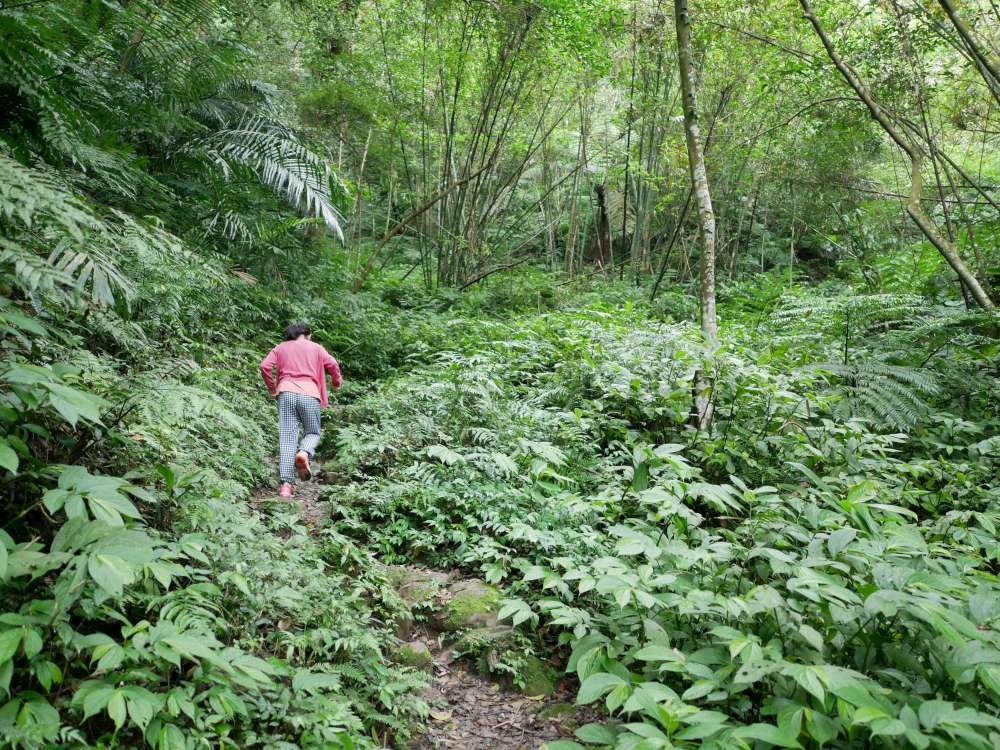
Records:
x=301, y=363
x=299, y=358
x=300, y=387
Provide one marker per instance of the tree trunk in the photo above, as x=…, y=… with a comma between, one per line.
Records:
x=703, y=196
x=988, y=68
x=699, y=175
x=605, y=256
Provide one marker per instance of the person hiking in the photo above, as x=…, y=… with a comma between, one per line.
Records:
x=300, y=388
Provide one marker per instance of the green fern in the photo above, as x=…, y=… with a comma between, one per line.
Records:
x=863, y=311
x=275, y=155
x=889, y=394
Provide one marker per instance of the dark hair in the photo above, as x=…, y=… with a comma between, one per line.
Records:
x=295, y=330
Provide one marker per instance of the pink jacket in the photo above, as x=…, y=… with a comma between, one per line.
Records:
x=303, y=359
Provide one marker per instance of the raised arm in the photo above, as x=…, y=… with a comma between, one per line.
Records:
x=267, y=369
x=331, y=366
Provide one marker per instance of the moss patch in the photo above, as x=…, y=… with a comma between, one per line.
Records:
x=414, y=654
x=472, y=606
x=537, y=678
x=557, y=710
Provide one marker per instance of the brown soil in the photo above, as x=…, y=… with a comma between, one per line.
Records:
x=306, y=498
x=471, y=712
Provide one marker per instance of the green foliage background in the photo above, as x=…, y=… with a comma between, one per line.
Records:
x=180, y=180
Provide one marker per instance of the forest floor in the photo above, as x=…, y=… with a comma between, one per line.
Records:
x=468, y=711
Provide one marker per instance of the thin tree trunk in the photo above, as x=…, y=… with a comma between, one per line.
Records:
x=605, y=255
x=699, y=176
x=359, y=183
x=703, y=196
x=401, y=225
x=628, y=141
x=989, y=68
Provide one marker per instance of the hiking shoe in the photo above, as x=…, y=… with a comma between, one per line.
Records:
x=302, y=466
x=286, y=491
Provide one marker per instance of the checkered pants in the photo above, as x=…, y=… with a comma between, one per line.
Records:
x=296, y=411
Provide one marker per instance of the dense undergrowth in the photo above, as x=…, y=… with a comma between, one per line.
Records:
x=819, y=570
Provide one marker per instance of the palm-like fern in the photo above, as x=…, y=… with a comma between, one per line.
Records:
x=149, y=73
x=889, y=365
x=889, y=394
x=273, y=152
x=857, y=311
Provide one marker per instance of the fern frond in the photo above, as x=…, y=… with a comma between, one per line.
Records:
x=890, y=394
x=235, y=99
x=192, y=608
x=30, y=271
x=230, y=226
x=106, y=171
x=36, y=196
x=275, y=155
x=866, y=309
x=87, y=264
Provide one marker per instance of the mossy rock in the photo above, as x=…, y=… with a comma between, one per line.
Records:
x=404, y=623
x=471, y=604
x=413, y=654
x=416, y=586
x=537, y=677
x=477, y=639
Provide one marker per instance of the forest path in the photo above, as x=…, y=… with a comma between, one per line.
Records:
x=468, y=710
x=455, y=635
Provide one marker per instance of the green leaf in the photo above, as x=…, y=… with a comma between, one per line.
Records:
x=6, y=672
x=117, y=709
x=170, y=738
x=840, y=539
x=517, y=609
x=314, y=682
x=562, y=745
x=768, y=733
x=3, y=561
x=72, y=403
x=93, y=695
x=599, y=734
x=933, y=713
x=811, y=636
x=111, y=508
x=111, y=573
x=55, y=499
x=8, y=457
x=23, y=321
x=660, y=653
x=32, y=643
x=699, y=689
x=808, y=678
x=597, y=685
x=9, y=641
x=444, y=454
x=142, y=705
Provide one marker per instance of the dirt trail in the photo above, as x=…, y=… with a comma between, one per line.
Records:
x=455, y=615
x=306, y=498
x=468, y=711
